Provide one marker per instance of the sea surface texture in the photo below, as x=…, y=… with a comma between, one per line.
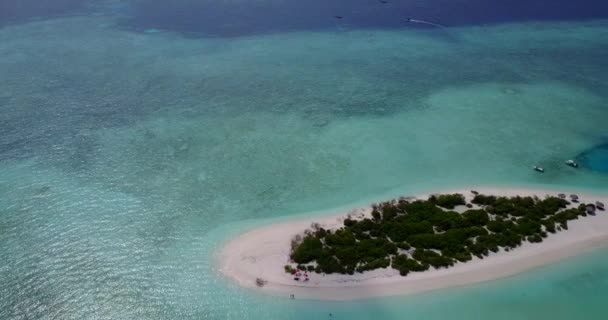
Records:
x=137, y=137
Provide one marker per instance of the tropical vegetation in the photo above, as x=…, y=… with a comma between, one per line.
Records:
x=413, y=236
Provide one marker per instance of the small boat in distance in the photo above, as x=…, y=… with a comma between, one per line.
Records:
x=572, y=163
x=539, y=169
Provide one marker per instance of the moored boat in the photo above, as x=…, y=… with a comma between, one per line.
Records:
x=572, y=163
x=539, y=169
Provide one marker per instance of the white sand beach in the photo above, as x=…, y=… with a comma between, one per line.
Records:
x=263, y=252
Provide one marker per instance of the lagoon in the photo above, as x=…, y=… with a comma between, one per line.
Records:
x=127, y=159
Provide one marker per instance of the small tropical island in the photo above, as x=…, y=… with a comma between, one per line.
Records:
x=415, y=244
x=412, y=236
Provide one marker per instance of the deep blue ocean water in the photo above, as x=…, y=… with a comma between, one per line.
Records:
x=136, y=137
x=237, y=18
x=19, y=11
x=234, y=18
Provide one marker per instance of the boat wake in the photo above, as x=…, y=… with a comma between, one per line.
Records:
x=428, y=23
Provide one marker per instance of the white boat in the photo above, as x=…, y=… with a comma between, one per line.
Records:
x=539, y=169
x=572, y=163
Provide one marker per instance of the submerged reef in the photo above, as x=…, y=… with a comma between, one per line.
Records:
x=595, y=158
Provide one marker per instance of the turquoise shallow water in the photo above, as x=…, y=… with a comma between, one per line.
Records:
x=128, y=159
x=571, y=289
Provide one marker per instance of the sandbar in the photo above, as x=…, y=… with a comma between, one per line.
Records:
x=263, y=252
